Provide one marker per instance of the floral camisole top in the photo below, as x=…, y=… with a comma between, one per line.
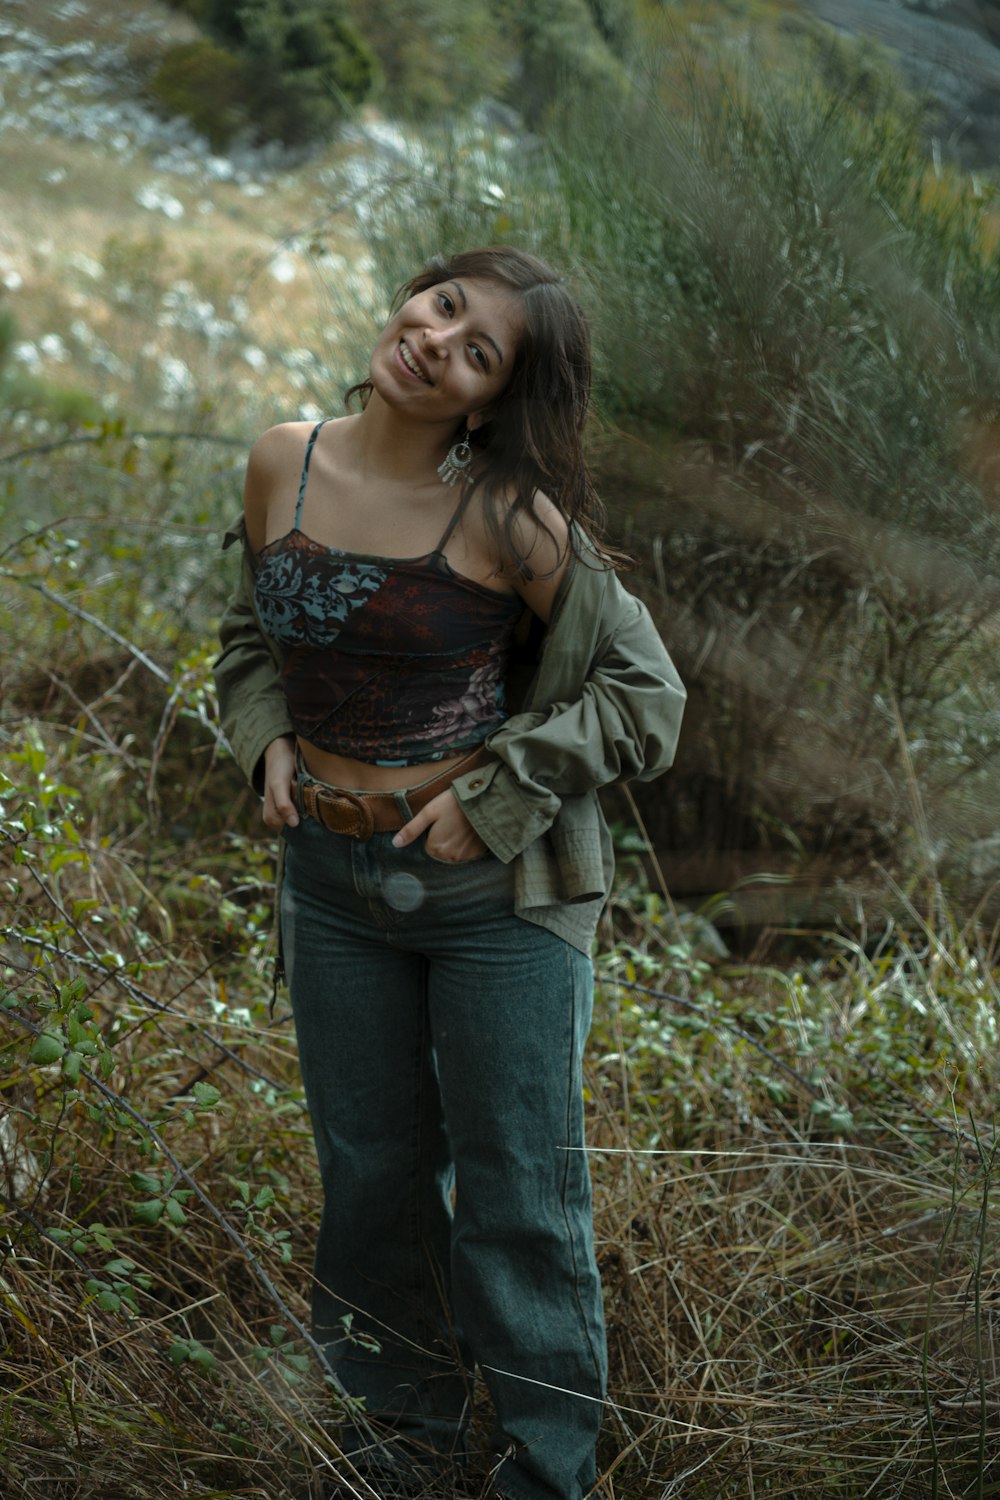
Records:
x=392, y=661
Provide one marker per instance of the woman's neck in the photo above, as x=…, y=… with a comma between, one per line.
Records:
x=388, y=446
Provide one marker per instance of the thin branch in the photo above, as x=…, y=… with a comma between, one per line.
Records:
x=104, y=437
x=101, y=625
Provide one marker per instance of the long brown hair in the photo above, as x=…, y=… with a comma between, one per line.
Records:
x=533, y=439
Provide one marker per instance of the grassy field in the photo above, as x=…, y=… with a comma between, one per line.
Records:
x=794, y=1166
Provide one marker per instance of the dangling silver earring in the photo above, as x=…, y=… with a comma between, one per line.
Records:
x=457, y=460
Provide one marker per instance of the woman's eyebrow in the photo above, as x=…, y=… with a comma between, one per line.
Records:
x=460, y=289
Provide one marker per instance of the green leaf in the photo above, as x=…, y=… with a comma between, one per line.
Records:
x=66, y=857
x=72, y=1063
x=203, y=1358
x=148, y=1212
x=175, y=1213
x=206, y=1094
x=47, y=1049
x=144, y=1182
x=120, y=1266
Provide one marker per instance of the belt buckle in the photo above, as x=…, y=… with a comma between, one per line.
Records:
x=350, y=814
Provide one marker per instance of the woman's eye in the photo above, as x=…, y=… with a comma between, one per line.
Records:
x=446, y=303
x=479, y=356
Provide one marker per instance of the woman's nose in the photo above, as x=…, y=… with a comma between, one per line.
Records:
x=435, y=341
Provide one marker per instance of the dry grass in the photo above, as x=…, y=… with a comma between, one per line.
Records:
x=112, y=265
x=795, y=1211
x=87, y=252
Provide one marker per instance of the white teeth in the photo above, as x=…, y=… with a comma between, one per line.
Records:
x=410, y=362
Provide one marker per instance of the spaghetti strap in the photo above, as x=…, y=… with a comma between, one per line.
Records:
x=456, y=517
x=305, y=470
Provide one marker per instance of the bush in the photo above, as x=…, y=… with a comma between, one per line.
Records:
x=309, y=66
x=797, y=335
x=564, y=58
x=209, y=85
x=795, y=327
x=438, y=56
x=295, y=71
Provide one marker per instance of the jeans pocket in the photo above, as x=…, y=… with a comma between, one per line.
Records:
x=453, y=864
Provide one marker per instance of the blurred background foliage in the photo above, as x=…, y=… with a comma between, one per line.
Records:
x=282, y=70
x=795, y=317
x=795, y=308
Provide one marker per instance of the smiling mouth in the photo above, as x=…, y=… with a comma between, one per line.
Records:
x=410, y=363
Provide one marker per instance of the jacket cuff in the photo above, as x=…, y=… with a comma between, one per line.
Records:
x=506, y=817
x=248, y=748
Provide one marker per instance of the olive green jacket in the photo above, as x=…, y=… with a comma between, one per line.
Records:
x=596, y=700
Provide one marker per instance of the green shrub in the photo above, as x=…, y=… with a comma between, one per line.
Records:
x=564, y=60
x=209, y=85
x=52, y=400
x=438, y=56
x=306, y=64
x=795, y=327
x=8, y=332
x=310, y=68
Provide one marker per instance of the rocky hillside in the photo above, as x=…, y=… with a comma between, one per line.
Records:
x=946, y=49
x=137, y=266
x=139, y=270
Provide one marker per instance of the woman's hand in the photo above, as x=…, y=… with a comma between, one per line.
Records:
x=279, y=769
x=450, y=835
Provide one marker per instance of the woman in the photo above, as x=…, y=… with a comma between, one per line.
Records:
x=445, y=856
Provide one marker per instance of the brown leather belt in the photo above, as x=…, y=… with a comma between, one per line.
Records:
x=360, y=814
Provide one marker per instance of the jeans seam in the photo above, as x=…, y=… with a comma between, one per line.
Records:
x=417, y=1230
x=571, y=1093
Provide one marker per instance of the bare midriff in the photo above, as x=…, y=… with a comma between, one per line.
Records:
x=360, y=776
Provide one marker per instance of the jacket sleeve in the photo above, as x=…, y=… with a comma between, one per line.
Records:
x=623, y=725
x=252, y=705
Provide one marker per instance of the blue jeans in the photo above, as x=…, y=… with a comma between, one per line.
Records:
x=440, y=1039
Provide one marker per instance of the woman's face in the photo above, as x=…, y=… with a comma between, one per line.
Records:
x=448, y=353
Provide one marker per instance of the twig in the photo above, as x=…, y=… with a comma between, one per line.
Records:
x=729, y=1026
x=123, y=436
x=101, y=625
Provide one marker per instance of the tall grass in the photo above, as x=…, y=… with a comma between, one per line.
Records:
x=794, y=1170
x=796, y=322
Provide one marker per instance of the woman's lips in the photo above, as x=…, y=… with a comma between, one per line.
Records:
x=410, y=363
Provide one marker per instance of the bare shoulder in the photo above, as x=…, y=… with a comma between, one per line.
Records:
x=273, y=468
x=542, y=539
x=274, y=448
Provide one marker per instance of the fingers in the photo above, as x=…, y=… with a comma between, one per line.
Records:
x=279, y=809
x=415, y=827
x=450, y=836
x=279, y=806
x=279, y=771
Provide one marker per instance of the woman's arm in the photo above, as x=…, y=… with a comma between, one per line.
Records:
x=606, y=707
x=589, y=723
x=247, y=671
